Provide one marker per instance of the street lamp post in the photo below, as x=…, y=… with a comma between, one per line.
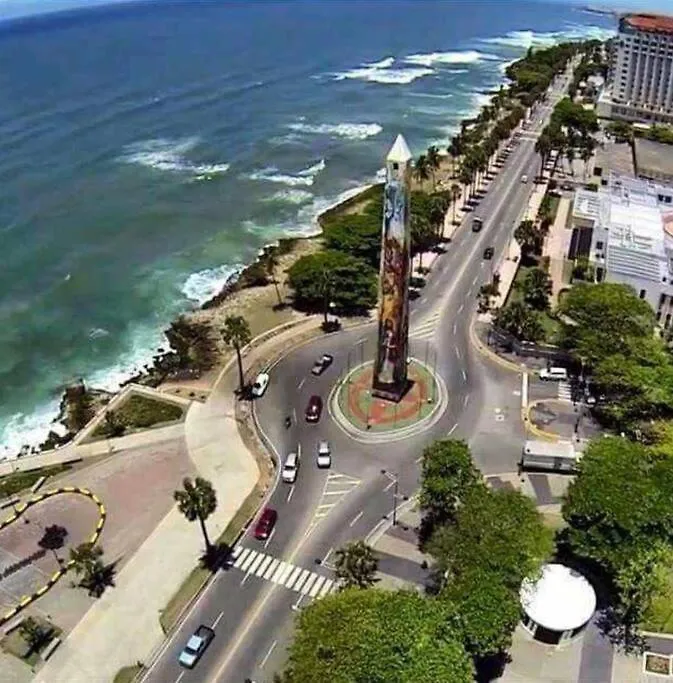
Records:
x=395, y=478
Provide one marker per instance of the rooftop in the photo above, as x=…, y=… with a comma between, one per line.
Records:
x=650, y=22
x=653, y=159
x=560, y=600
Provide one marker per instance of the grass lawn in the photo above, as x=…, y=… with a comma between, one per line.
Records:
x=19, y=481
x=14, y=643
x=127, y=674
x=660, y=615
x=198, y=577
x=141, y=412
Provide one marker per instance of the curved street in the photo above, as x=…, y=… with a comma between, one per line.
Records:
x=324, y=509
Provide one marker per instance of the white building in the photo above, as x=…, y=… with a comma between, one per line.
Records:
x=626, y=231
x=641, y=84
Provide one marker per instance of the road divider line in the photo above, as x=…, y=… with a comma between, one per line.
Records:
x=268, y=540
x=290, y=492
x=217, y=620
x=466, y=399
x=453, y=429
x=268, y=654
x=356, y=518
x=301, y=384
x=464, y=375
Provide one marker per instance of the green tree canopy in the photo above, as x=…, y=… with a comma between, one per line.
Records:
x=604, y=318
x=374, y=636
x=620, y=503
x=499, y=532
x=537, y=288
x=356, y=234
x=353, y=281
x=356, y=565
x=197, y=500
x=521, y=321
x=447, y=476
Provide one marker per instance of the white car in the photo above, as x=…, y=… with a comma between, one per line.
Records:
x=554, y=374
x=260, y=384
x=524, y=178
x=196, y=646
x=290, y=468
x=324, y=457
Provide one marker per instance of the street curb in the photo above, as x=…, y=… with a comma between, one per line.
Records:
x=534, y=429
x=19, y=510
x=484, y=351
x=401, y=434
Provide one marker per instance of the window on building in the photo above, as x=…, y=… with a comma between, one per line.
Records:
x=599, y=246
x=643, y=293
x=667, y=322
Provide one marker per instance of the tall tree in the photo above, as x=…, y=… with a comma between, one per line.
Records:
x=433, y=161
x=356, y=565
x=421, y=169
x=423, y=236
x=465, y=179
x=528, y=237
x=53, y=539
x=537, y=288
x=236, y=333
x=521, y=321
x=447, y=475
x=88, y=564
x=543, y=148
x=378, y=637
x=271, y=262
x=35, y=634
x=455, y=196
x=197, y=500
x=455, y=149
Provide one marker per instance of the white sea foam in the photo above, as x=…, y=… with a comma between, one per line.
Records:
x=380, y=72
x=164, y=154
x=290, y=196
x=98, y=332
x=27, y=430
x=434, y=58
x=304, y=178
x=350, y=131
x=205, y=284
x=527, y=38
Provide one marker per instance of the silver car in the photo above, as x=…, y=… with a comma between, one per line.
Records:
x=324, y=457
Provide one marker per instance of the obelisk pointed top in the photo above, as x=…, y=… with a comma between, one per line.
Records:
x=399, y=152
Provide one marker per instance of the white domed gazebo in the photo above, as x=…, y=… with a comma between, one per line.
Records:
x=558, y=605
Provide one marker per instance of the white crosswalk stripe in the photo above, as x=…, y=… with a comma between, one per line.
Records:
x=564, y=392
x=282, y=573
x=426, y=328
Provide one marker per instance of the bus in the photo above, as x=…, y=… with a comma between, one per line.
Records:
x=558, y=456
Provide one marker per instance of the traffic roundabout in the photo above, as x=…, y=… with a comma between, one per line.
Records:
x=369, y=419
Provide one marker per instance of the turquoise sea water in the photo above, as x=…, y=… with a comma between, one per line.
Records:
x=148, y=150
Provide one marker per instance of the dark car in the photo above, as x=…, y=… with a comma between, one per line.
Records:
x=313, y=409
x=322, y=364
x=265, y=523
x=488, y=253
x=196, y=646
x=477, y=224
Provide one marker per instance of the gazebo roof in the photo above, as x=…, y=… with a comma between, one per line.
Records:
x=560, y=600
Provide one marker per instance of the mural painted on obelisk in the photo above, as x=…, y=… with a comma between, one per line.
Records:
x=390, y=377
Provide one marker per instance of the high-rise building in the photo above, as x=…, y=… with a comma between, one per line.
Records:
x=641, y=79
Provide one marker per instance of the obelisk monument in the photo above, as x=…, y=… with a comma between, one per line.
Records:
x=390, y=371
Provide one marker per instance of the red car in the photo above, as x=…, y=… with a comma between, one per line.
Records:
x=265, y=524
x=313, y=409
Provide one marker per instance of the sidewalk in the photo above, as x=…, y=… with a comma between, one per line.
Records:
x=556, y=247
x=123, y=626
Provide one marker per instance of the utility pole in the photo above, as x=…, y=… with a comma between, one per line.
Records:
x=395, y=479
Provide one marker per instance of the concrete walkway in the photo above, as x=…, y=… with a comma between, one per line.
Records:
x=556, y=247
x=123, y=626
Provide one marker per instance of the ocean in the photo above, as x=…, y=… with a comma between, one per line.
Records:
x=148, y=151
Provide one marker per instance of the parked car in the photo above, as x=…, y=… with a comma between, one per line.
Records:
x=477, y=224
x=265, y=523
x=322, y=364
x=524, y=178
x=324, y=457
x=554, y=374
x=488, y=253
x=291, y=468
x=260, y=384
x=314, y=409
x=196, y=646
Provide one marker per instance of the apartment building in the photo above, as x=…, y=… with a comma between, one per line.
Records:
x=641, y=74
x=626, y=231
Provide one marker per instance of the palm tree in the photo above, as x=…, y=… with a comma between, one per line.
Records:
x=586, y=152
x=455, y=149
x=356, y=565
x=537, y=288
x=197, y=500
x=438, y=209
x=528, y=237
x=455, y=192
x=543, y=148
x=465, y=179
x=53, y=539
x=35, y=634
x=271, y=265
x=236, y=333
x=327, y=288
x=87, y=562
x=520, y=321
x=422, y=235
x=433, y=161
x=421, y=169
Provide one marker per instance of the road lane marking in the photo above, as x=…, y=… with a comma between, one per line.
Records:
x=301, y=384
x=327, y=587
x=362, y=339
x=453, y=429
x=464, y=375
x=327, y=554
x=458, y=353
x=281, y=572
x=340, y=492
x=179, y=678
x=248, y=561
x=241, y=556
x=268, y=540
x=466, y=399
x=271, y=570
x=289, y=581
x=316, y=586
x=268, y=654
x=310, y=581
x=389, y=486
x=455, y=327
x=304, y=575
x=355, y=519
x=460, y=309
x=290, y=492
x=254, y=566
x=217, y=620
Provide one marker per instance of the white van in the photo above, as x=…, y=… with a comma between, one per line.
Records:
x=554, y=374
x=291, y=468
x=260, y=384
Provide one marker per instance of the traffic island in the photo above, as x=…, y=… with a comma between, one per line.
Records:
x=370, y=419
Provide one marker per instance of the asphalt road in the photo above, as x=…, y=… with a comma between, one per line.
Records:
x=252, y=616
